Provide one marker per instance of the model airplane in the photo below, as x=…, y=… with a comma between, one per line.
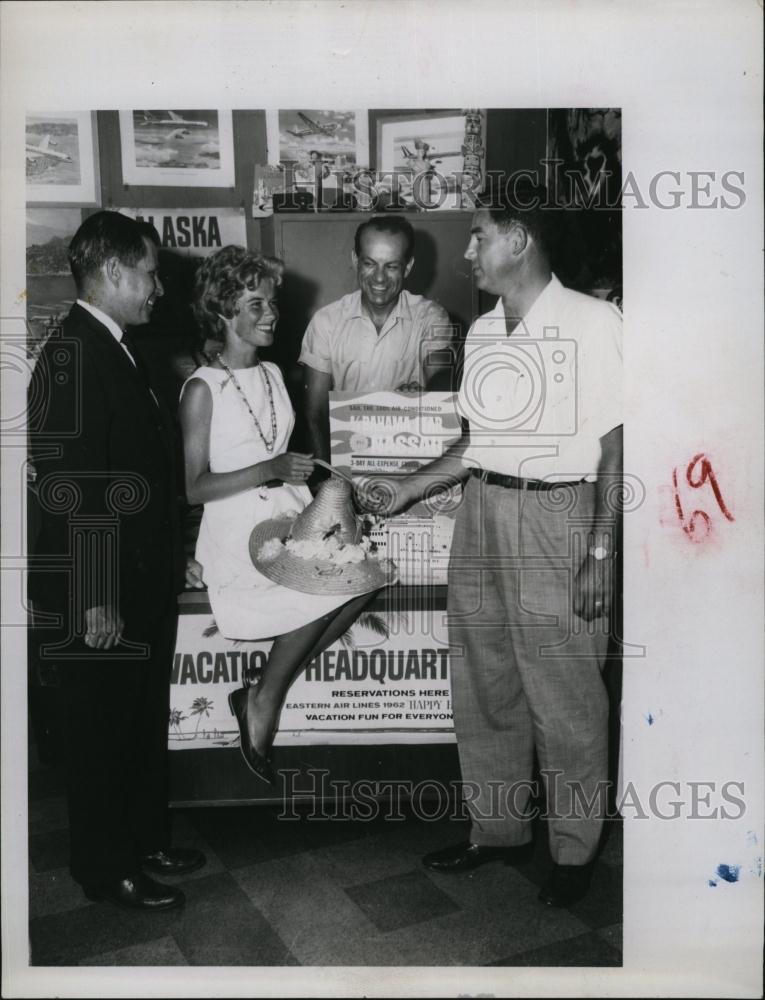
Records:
x=172, y=119
x=313, y=128
x=43, y=149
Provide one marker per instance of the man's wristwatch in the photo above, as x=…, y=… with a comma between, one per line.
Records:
x=598, y=553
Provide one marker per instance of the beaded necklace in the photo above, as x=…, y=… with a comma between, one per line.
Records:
x=269, y=444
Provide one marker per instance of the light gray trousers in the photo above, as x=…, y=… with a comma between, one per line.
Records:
x=526, y=671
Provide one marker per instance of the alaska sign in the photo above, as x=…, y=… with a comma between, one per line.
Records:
x=195, y=231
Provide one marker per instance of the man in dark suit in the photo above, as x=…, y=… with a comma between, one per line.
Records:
x=108, y=566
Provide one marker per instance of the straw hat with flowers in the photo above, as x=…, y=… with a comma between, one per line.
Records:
x=321, y=551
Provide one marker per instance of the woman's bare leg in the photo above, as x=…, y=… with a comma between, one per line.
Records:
x=342, y=621
x=288, y=653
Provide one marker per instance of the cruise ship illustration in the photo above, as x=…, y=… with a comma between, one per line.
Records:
x=418, y=545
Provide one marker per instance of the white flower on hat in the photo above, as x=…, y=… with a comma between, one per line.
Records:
x=271, y=549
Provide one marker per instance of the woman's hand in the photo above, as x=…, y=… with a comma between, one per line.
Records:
x=291, y=467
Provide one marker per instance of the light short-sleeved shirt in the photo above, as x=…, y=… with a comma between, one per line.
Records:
x=342, y=341
x=539, y=399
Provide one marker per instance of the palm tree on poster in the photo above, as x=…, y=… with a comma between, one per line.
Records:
x=369, y=620
x=199, y=707
x=176, y=718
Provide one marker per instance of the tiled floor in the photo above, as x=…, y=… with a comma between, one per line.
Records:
x=329, y=893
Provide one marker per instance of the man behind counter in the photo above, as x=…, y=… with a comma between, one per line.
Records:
x=379, y=337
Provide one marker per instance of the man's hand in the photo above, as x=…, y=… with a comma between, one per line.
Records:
x=409, y=387
x=592, y=589
x=194, y=574
x=384, y=497
x=103, y=627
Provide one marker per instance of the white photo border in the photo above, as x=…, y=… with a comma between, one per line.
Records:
x=693, y=359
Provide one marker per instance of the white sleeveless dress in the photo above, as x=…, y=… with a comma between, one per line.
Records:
x=246, y=604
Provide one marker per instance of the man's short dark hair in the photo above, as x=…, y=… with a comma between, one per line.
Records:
x=525, y=204
x=104, y=235
x=395, y=224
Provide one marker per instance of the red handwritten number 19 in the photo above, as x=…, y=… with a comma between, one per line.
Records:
x=698, y=473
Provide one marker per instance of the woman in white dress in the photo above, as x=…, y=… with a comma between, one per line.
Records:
x=237, y=420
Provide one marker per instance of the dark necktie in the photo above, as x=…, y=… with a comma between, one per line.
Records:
x=140, y=368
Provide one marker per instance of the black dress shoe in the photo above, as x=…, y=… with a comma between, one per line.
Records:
x=137, y=893
x=177, y=861
x=566, y=885
x=466, y=856
x=256, y=762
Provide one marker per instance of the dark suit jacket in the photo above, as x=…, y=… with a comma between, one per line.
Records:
x=104, y=456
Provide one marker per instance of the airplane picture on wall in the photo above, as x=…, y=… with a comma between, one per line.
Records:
x=52, y=150
x=169, y=140
x=309, y=139
x=61, y=157
x=164, y=146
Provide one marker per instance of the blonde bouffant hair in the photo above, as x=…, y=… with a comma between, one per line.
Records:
x=222, y=278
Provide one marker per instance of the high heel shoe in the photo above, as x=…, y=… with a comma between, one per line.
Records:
x=257, y=763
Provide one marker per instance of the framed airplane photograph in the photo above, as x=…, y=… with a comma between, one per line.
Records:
x=430, y=152
x=165, y=148
x=311, y=140
x=62, y=158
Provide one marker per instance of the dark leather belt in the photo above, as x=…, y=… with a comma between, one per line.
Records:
x=514, y=483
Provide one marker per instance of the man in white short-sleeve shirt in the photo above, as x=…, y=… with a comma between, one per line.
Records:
x=379, y=337
x=530, y=572
x=539, y=400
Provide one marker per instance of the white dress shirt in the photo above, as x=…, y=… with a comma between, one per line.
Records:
x=539, y=400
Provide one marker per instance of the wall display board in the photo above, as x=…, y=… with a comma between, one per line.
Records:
x=390, y=434
x=386, y=681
